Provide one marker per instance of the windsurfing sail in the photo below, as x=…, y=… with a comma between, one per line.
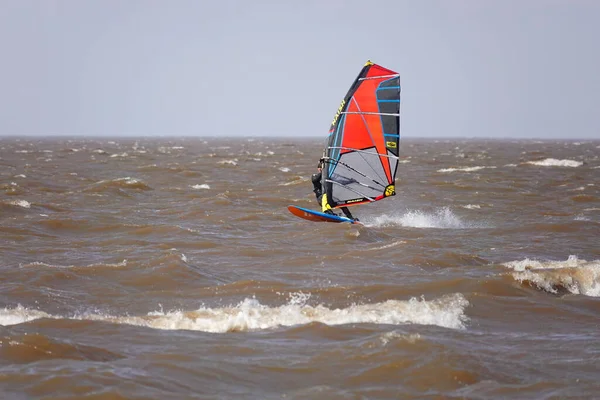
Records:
x=361, y=155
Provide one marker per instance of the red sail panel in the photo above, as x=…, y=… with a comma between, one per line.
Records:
x=362, y=150
x=362, y=131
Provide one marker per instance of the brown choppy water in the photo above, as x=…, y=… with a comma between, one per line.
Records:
x=166, y=268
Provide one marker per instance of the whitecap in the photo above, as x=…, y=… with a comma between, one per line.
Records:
x=552, y=162
x=127, y=180
x=46, y=265
x=463, y=169
x=20, y=203
x=229, y=162
x=573, y=275
x=19, y=315
x=443, y=218
x=250, y=315
x=395, y=335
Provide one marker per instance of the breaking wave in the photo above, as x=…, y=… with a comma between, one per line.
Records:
x=463, y=169
x=552, y=162
x=443, y=218
x=571, y=276
x=251, y=315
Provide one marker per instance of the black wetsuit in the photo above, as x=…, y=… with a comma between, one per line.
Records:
x=318, y=189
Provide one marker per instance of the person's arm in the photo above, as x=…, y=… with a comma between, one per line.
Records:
x=316, y=181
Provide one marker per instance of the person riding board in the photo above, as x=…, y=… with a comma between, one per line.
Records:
x=318, y=190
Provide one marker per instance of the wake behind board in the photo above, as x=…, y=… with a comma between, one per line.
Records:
x=317, y=216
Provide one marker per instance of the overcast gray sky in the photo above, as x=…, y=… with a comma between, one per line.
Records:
x=485, y=68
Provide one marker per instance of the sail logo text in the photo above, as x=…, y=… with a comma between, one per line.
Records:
x=339, y=112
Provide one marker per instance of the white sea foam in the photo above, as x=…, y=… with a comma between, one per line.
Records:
x=35, y=264
x=389, y=245
x=19, y=315
x=443, y=218
x=251, y=315
x=400, y=336
x=463, y=169
x=202, y=186
x=20, y=203
x=127, y=180
x=552, y=162
x=573, y=275
x=119, y=155
x=167, y=149
x=472, y=206
x=284, y=169
x=229, y=162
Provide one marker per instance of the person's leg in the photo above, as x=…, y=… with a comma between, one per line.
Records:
x=347, y=212
x=328, y=211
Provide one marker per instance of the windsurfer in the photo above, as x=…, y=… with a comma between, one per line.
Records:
x=318, y=190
